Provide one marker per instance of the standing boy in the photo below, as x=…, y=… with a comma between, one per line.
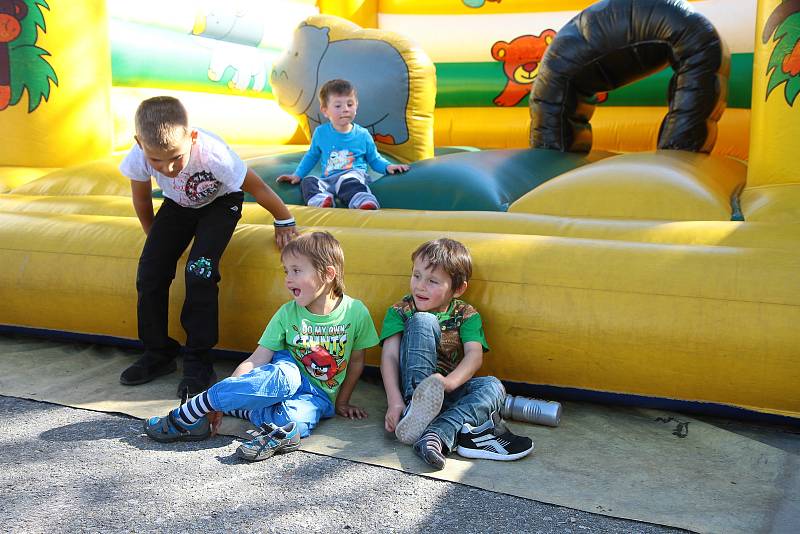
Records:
x=345, y=149
x=433, y=344
x=202, y=181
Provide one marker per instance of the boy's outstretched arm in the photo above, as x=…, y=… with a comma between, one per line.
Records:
x=270, y=201
x=390, y=372
x=142, y=195
x=354, y=369
x=466, y=368
x=261, y=356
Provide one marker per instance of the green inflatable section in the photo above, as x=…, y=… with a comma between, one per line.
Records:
x=477, y=84
x=457, y=179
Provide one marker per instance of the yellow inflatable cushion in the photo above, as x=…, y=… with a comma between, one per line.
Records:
x=12, y=177
x=749, y=234
x=664, y=185
x=772, y=203
x=100, y=177
x=701, y=323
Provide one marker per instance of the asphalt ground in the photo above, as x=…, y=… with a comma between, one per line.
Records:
x=69, y=470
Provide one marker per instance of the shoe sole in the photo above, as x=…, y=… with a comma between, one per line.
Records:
x=241, y=453
x=165, y=371
x=426, y=403
x=480, y=454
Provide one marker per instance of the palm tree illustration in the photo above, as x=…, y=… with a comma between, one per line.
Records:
x=22, y=63
x=783, y=26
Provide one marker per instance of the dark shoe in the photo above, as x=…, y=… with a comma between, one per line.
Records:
x=151, y=365
x=197, y=377
x=166, y=429
x=429, y=448
x=270, y=440
x=492, y=441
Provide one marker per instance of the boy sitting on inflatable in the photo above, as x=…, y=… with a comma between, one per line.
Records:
x=345, y=149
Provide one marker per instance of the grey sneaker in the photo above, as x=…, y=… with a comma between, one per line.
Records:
x=425, y=405
x=268, y=441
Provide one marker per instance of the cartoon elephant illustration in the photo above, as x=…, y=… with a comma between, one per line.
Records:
x=374, y=67
x=227, y=23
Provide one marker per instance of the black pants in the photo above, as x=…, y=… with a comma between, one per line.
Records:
x=173, y=228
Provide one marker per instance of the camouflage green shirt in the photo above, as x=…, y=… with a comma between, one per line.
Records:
x=460, y=324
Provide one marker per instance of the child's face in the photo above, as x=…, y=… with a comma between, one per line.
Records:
x=341, y=111
x=171, y=161
x=432, y=289
x=305, y=284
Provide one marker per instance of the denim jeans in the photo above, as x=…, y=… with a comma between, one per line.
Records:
x=274, y=393
x=473, y=402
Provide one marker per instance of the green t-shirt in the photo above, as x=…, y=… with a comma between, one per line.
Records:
x=321, y=344
x=460, y=323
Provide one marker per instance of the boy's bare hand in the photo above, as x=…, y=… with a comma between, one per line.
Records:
x=291, y=178
x=393, y=414
x=214, y=420
x=448, y=385
x=392, y=169
x=284, y=234
x=350, y=411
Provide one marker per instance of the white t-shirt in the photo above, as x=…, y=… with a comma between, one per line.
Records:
x=213, y=170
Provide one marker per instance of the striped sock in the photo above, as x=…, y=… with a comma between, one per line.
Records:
x=429, y=448
x=193, y=410
x=241, y=414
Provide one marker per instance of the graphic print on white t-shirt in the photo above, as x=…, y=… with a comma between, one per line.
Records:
x=200, y=186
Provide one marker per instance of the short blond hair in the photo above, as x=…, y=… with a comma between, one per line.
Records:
x=449, y=254
x=161, y=122
x=322, y=249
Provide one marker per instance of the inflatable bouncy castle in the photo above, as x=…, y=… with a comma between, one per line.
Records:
x=620, y=171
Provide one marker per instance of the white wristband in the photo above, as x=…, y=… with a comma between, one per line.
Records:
x=284, y=222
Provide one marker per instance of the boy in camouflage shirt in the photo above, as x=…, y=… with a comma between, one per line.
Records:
x=433, y=344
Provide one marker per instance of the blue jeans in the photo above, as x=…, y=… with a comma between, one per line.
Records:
x=473, y=402
x=274, y=393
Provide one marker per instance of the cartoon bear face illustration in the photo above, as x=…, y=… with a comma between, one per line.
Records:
x=521, y=58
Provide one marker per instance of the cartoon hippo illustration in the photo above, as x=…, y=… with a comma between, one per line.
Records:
x=374, y=67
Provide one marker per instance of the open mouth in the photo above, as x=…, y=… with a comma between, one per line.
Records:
x=295, y=291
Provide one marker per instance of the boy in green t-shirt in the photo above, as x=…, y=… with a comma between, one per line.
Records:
x=433, y=344
x=305, y=367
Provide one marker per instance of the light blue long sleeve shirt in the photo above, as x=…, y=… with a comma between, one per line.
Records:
x=341, y=152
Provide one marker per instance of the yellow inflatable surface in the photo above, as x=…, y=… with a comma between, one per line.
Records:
x=658, y=274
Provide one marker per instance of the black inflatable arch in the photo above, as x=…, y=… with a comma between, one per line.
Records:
x=615, y=42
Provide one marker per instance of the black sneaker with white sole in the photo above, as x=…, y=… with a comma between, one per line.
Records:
x=492, y=441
